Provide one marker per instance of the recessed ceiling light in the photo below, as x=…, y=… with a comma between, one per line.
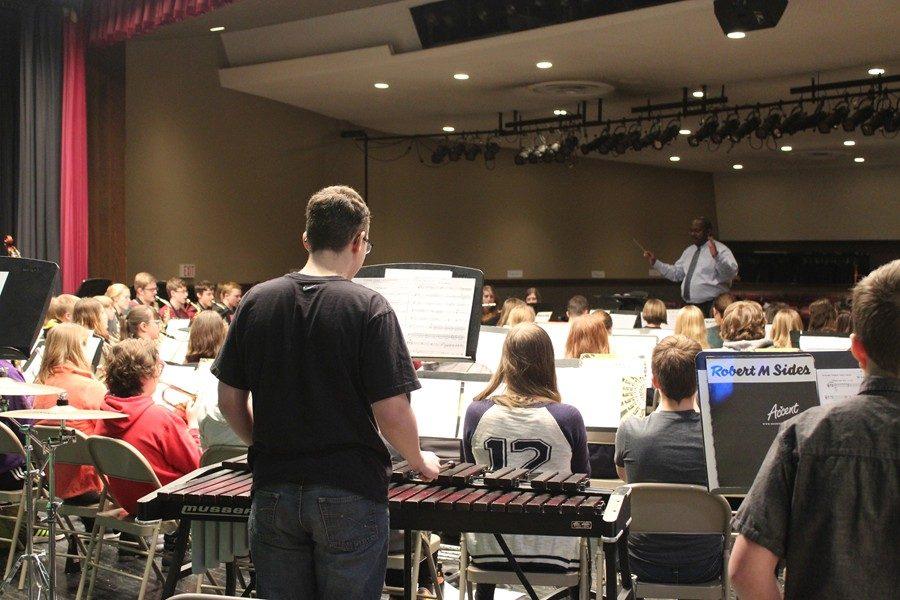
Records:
x=449, y=128
x=787, y=148
x=737, y=167
x=559, y=112
x=544, y=64
x=381, y=85
x=876, y=71
x=736, y=35
x=674, y=158
x=461, y=76
x=217, y=29
x=697, y=93
x=684, y=131
x=849, y=143
x=859, y=159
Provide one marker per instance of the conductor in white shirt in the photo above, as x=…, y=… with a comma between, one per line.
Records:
x=705, y=268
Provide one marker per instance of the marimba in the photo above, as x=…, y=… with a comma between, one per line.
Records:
x=464, y=497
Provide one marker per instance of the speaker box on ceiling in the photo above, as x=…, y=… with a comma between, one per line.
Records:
x=748, y=15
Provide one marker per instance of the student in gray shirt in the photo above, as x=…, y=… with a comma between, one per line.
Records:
x=825, y=500
x=667, y=447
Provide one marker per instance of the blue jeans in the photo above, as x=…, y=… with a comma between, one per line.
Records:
x=317, y=541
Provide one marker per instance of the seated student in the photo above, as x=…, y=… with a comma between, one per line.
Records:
x=142, y=322
x=521, y=313
x=744, y=327
x=721, y=302
x=578, y=306
x=229, y=297
x=206, y=295
x=65, y=366
x=825, y=499
x=654, y=313
x=844, y=323
x=145, y=289
x=667, y=447
x=178, y=306
x=690, y=323
x=121, y=297
x=207, y=335
x=771, y=309
x=822, y=316
x=12, y=475
x=532, y=296
x=508, y=305
x=170, y=446
x=60, y=310
x=489, y=314
x=587, y=335
x=530, y=408
x=786, y=321
x=112, y=317
x=89, y=313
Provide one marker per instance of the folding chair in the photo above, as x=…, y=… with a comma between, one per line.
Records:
x=682, y=509
x=119, y=460
x=219, y=452
x=429, y=543
x=10, y=444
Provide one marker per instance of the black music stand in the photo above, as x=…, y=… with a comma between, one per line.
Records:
x=26, y=286
x=93, y=287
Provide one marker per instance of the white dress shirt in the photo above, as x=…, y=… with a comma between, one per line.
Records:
x=712, y=275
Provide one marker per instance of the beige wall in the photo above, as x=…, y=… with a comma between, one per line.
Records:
x=220, y=179
x=857, y=203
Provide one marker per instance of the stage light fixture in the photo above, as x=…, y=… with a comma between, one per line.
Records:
x=749, y=125
x=769, y=126
x=817, y=116
x=439, y=154
x=834, y=118
x=894, y=124
x=456, y=151
x=863, y=112
x=704, y=131
x=627, y=141
x=522, y=157
x=648, y=139
x=725, y=131
x=535, y=156
x=610, y=142
x=667, y=135
x=491, y=150
x=549, y=154
x=878, y=120
x=792, y=123
x=472, y=151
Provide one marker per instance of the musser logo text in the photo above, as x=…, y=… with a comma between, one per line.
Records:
x=215, y=511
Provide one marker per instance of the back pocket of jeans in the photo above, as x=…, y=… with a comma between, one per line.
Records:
x=349, y=522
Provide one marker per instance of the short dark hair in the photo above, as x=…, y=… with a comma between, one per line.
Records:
x=578, y=305
x=876, y=316
x=723, y=301
x=204, y=285
x=673, y=366
x=130, y=362
x=333, y=216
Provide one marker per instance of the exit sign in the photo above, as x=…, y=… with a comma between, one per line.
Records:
x=188, y=271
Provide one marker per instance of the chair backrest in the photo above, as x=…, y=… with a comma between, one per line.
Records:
x=678, y=508
x=9, y=443
x=219, y=452
x=118, y=459
x=76, y=453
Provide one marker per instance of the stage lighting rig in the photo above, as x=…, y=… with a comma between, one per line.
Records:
x=439, y=154
x=725, y=131
x=522, y=156
x=705, y=130
x=456, y=151
x=472, y=151
x=834, y=118
x=792, y=123
x=491, y=149
x=880, y=119
x=769, y=126
x=746, y=128
x=668, y=134
x=864, y=110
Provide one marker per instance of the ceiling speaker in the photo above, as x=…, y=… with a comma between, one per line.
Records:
x=748, y=15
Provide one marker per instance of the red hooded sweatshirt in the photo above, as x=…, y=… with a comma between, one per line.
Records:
x=159, y=435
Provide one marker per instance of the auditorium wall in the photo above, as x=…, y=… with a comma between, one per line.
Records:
x=220, y=179
x=856, y=203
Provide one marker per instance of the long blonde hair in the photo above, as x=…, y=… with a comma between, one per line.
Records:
x=587, y=335
x=89, y=313
x=526, y=367
x=689, y=322
x=786, y=320
x=508, y=305
x=521, y=313
x=64, y=344
x=207, y=335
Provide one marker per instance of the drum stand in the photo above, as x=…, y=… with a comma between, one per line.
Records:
x=39, y=578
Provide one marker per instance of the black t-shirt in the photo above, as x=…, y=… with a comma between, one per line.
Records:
x=316, y=352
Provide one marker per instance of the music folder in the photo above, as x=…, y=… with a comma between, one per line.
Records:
x=744, y=398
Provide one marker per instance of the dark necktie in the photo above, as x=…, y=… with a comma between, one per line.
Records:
x=690, y=273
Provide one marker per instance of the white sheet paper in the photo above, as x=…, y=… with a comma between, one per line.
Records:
x=3, y=276
x=34, y=363
x=635, y=346
x=90, y=350
x=823, y=342
x=595, y=390
x=436, y=406
x=490, y=348
x=417, y=274
x=543, y=316
x=836, y=385
x=182, y=377
x=171, y=350
x=621, y=321
x=559, y=333
x=433, y=312
x=179, y=328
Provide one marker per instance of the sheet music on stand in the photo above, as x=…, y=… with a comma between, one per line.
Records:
x=33, y=365
x=179, y=328
x=559, y=333
x=490, y=346
x=172, y=350
x=438, y=306
x=838, y=376
x=809, y=343
x=744, y=397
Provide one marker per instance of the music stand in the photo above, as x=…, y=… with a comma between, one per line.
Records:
x=93, y=287
x=26, y=286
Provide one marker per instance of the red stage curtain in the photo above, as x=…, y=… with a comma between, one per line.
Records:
x=73, y=161
x=112, y=21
